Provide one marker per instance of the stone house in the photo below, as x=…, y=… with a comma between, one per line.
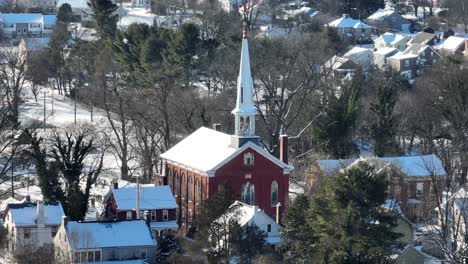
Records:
x=31, y=225
x=389, y=20
x=90, y=242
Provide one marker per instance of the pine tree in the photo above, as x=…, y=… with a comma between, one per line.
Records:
x=344, y=222
x=384, y=122
x=65, y=13
x=103, y=13
x=167, y=246
x=339, y=109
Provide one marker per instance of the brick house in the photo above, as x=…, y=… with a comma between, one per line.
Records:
x=414, y=182
x=207, y=160
x=155, y=202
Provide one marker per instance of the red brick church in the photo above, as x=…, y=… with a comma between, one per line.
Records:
x=208, y=159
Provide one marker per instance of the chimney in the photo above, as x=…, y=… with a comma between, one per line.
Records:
x=116, y=184
x=40, y=213
x=28, y=198
x=217, y=127
x=138, y=216
x=278, y=213
x=346, y=15
x=284, y=148
x=64, y=220
x=147, y=217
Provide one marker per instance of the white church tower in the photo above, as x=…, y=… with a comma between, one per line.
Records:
x=245, y=110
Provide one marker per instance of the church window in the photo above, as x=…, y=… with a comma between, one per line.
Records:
x=248, y=159
x=197, y=192
x=176, y=184
x=183, y=187
x=247, y=125
x=248, y=193
x=190, y=189
x=274, y=193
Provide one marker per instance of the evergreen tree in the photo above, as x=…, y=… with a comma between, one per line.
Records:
x=103, y=13
x=167, y=246
x=297, y=232
x=345, y=221
x=335, y=125
x=384, y=122
x=248, y=242
x=65, y=13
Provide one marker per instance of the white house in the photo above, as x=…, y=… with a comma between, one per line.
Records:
x=119, y=241
x=361, y=56
x=391, y=40
x=31, y=225
x=39, y=4
x=453, y=45
x=27, y=25
x=352, y=29
x=252, y=215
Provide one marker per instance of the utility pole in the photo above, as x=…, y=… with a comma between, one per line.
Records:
x=74, y=95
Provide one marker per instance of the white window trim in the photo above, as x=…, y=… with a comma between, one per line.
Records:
x=165, y=215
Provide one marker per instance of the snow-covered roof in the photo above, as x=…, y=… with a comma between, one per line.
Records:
x=83, y=235
x=414, y=166
x=386, y=51
x=128, y=20
x=25, y=214
x=151, y=198
x=206, y=150
x=403, y=56
x=417, y=49
x=391, y=38
x=50, y=19
x=164, y=225
x=9, y=200
x=81, y=4
x=21, y=18
x=392, y=205
x=422, y=38
x=452, y=43
x=347, y=22
x=249, y=214
x=380, y=14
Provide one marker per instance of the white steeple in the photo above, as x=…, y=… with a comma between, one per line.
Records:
x=245, y=109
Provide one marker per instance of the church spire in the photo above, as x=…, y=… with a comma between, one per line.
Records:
x=245, y=110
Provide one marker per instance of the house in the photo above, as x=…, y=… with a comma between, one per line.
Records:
x=351, y=29
x=427, y=55
x=405, y=64
x=340, y=67
x=389, y=20
x=246, y=214
x=141, y=3
x=362, y=57
x=381, y=55
x=412, y=180
x=27, y=25
x=42, y=5
x=109, y=241
x=80, y=8
x=391, y=40
x=404, y=225
x=424, y=38
x=453, y=46
x=208, y=160
x=157, y=201
x=31, y=225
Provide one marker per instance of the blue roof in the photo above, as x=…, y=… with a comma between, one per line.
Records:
x=416, y=166
x=151, y=198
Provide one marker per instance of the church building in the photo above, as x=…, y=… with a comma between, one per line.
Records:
x=208, y=159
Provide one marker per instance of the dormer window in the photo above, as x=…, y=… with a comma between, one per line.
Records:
x=248, y=159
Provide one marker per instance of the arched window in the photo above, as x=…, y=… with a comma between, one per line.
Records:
x=274, y=193
x=247, y=125
x=183, y=187
x=197, y=192
x=170, y=178
x=248, y=193
x=176, y=183
x=190, y=189
x=248, y=159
